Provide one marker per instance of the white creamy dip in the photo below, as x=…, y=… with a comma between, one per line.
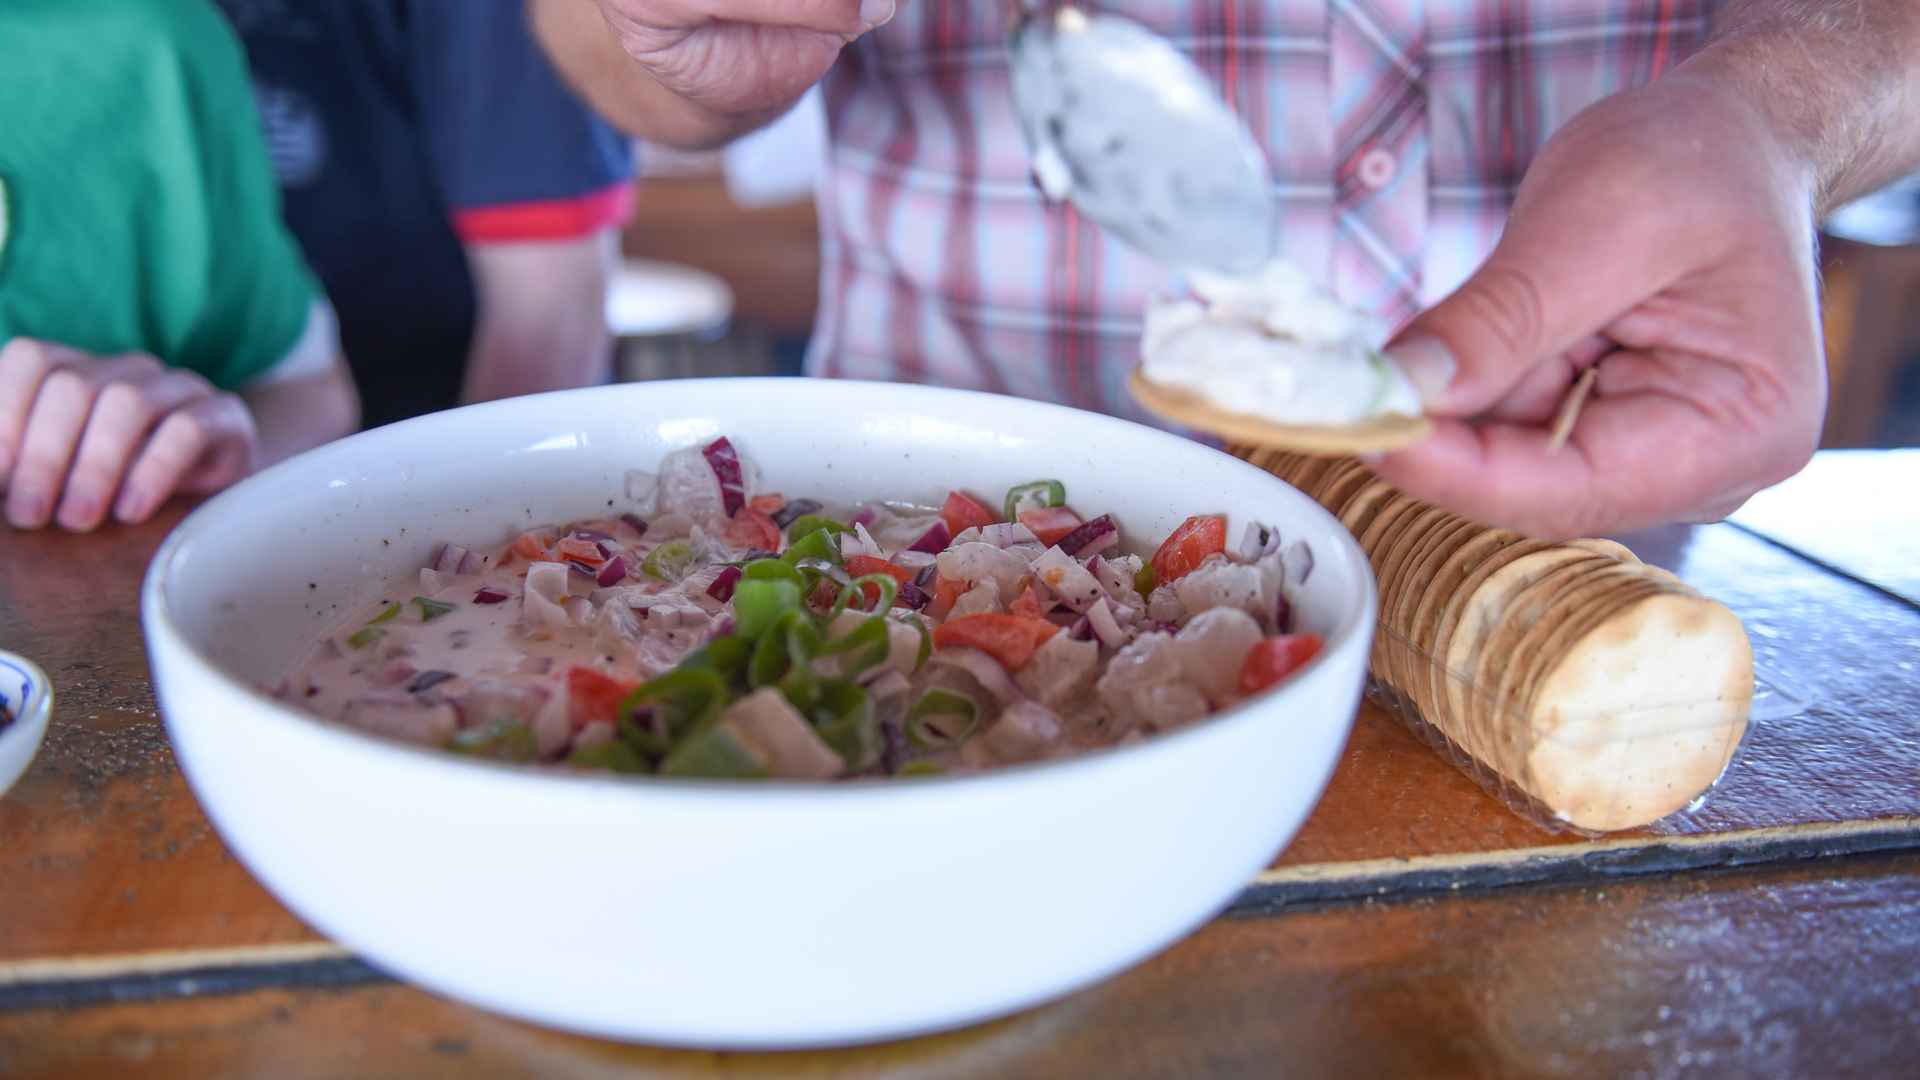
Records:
x=1274, y=345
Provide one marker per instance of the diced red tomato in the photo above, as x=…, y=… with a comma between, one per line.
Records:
x=771, y=503
x=863, y=565
x=1190, y=545
x=824, y=593
x=945, y=594
x=1028, y=603
x=753, y=529
x=1051, y=524
x=594, y=697
x=1272, y=661
x=531, y=546
x=963, y=512
x=584, y=552
x=1010, y=639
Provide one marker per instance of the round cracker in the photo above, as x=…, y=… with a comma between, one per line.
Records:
x=1487, y=713
x=1480, y=615
x=1611, y=548
x=1417, y=586
x=1430, y=527
x=1341, y=484
x=1642, y=714
x=1449, y=570
x=1359, y=511
x=1381, y=545
x=1376, y=435
x=1515, y=734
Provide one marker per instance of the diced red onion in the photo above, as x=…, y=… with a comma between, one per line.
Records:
x=838, y=575
x=473, y=562
x=1091, y=538
x=1105, y=626
x=635, y=522
x=582, y=570
x=450, y=559
x=1259, y=540
x=1298, y=561
x=1283, y=614
x=724, y=584
x=490, y=596
x=912, y=596
x=794, y=511
x=613, y=573
x=1082, y=629
x=427, y=680
x=934, y=540
x=864, y=517
x=605, y=551
x=924, y=579
x=722, y=627
x=1165, y=628
x=725, y=462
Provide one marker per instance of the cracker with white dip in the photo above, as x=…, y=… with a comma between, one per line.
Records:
x=1274, y=360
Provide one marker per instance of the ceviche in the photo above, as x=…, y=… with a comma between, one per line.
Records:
x=714, y=629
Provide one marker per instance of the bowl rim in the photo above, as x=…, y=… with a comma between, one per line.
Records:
x=1355, y=628
x=41, y=703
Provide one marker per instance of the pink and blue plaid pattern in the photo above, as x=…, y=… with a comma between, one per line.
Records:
x=1398, y=131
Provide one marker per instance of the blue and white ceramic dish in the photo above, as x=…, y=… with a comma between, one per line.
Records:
x=27, y=699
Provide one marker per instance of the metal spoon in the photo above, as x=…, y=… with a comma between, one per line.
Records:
x=1124, y=126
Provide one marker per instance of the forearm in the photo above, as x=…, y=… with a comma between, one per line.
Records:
x=591, y=59
x=297, y=415
x=542, y=322
x=1838, y=82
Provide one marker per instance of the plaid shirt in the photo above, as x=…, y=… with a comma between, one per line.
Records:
x=1397, y=132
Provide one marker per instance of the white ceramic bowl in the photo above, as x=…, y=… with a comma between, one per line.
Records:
x=725, y=915
x=25, y=690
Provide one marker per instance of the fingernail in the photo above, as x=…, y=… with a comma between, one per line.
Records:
x=78, y=512
x=128, y=509
x=1429, y=365
x=28, y=509
x=875, y=14
x=1371, y=457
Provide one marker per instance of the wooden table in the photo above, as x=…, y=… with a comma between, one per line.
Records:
x=1415, y=926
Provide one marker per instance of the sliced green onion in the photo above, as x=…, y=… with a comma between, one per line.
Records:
x=1034, y=496
x=846, y=722
x=387, y=614
x=771, y=570
x=784, y=659
x=616, y=756
x=669, y=562
x=868, y=646
x=818, y=544
x=889, y=591
x=683, y=698
x=365, y=636
x=507, y=741
x=727, y=656
x=759, y=604
x=716, y=751
x=432, y=609
x=1145, y=580
x=942, y=719
x=808, y=524
x=921, y=768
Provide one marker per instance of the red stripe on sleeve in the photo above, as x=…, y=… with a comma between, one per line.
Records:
x=558, y=219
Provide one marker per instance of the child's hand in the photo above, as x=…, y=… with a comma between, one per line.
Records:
x=82, y=436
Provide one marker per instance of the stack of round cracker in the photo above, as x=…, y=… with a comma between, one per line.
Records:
x=1596, y=686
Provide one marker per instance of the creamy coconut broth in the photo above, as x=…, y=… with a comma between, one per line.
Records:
x=720, y=630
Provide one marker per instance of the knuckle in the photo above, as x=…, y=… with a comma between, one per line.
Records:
x=126, y=403
x=28, y=356
x=1508, y=306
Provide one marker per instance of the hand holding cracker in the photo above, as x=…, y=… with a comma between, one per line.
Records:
x=1663, y=238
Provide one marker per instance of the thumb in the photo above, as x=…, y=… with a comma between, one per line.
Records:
x=1557, y=277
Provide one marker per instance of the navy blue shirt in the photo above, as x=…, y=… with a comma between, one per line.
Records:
x=401, y=129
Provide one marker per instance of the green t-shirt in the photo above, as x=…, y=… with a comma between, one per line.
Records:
x=137, y=210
